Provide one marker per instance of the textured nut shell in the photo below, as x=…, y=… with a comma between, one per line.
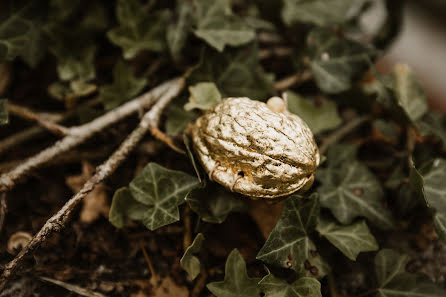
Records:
x=275, y=151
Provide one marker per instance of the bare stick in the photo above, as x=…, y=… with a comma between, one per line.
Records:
x=80, y=134
x=39, y=118
x=72, y=288
x=161, y=136
x=3, y=209
x=27, y=134
x=341, y=132
x=58, y=221
x=292, y=80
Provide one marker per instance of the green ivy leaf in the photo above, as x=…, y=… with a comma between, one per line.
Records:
x=177, y=119
x=350, y=190
x=430, y=186
x=351, y=239
x=237, y=282
x=288, y=245
x=178, y=32
x=217, y=25
x=304, y=286
x=202, y=96
x=393, y=281
x=189, y=262
x=235, y=72
x=335, y=62
x=125, y=86
x=138, y=30
x=434, y=123
x=319, y=118
x=3, y=112
x=213, y=203
x=161, y=190
x=124, y=205
x=318, y=12
x=408, y=92
x=21, y=32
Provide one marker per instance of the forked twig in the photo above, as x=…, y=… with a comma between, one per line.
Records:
x=57, y=222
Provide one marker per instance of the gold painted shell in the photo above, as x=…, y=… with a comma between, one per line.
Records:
x=253, y=150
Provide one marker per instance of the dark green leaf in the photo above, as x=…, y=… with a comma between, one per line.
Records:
x=125, y=86
x=138, y=30
x=288, y=245
x=393, y=281
x=340, y=153
x=213, y=203
x=319, y=12
x=177, y=118
x=21, y=32
x=319, y=118
x=351, y=239
x=189, y=262
x=177, y=32
x=388, y=129
x=202, y=96
x=219, y=27
x=3, y=112
x=123, y=204
x=303, y=287
x=237, y=282
x=161, y=190
x=236, y=73
x=434, y=123
x=335, y=62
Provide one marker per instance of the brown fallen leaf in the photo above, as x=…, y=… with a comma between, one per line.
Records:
x=265, y=215
x=94, y=204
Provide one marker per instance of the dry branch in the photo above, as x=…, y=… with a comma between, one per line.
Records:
x=57, y=222
x=77, y=135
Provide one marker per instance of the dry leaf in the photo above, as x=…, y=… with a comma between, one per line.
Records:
x=265, y=215
x=96, y=203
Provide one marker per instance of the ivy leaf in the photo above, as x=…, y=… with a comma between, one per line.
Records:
x=235, y=72
x=430, y=186
x=138, y=30
x=393, y=281
x=75, y=53
x=213, y=203
x=124, y=205
x=21, y=32
x=161, y=190
x=335, y=62
x=202, y=96
x=178, y=32
x=388, y=264
x=237, y=282
x=318, y=12
x=177, y=118
x=125, y=86
x=319, y=118
x=350, y=190
x=3, y=112
x=304, y=286
x=434, y=123
x=189, y=262
x=351, y=239
x=288, y=245
x=408, y=92
x=217, y=25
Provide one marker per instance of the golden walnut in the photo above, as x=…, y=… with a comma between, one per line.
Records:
x=247, y=147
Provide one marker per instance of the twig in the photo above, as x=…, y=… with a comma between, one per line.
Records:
x=72, y=288
x=80, y=134
x=292, y=80
x=27, y=134
x=161, y=136
x=200, y=283
x=280, y=51
x=153, y=274
x=187, y=239
x=58, y=221
x=341, y=132
x=39, y=118
x=3, y=210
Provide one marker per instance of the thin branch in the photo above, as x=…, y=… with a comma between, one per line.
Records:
x=72, y=288
x=153, y=274
x=80, y=134
x=30, y=133
x=161, y=136
x=41, y=119
x=58, y=221
x=3, y=210
x=341, y=132
x=292, y=80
